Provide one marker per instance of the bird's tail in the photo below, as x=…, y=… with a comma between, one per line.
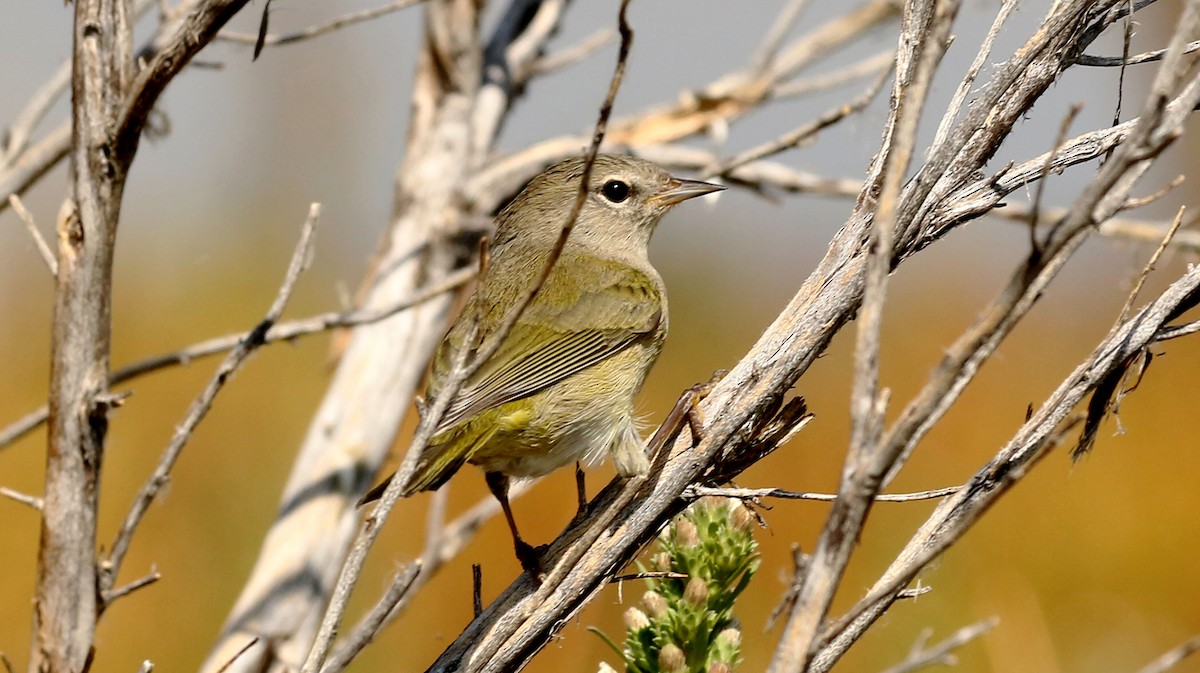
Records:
x=440, y=460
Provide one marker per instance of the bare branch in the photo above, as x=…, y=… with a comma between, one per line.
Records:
x=778, y=32
x=968, y=80
x=194, y=30
x=66, y=610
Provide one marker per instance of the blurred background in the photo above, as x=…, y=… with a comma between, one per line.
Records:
x=1089, y=566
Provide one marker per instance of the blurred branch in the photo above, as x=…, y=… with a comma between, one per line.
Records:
x=346, y=20
x=1173, y=657
x=27, y=219
x=549, y=63
x=17, y=496
x=942, y=653
x=22, y=128
x=1121, y=228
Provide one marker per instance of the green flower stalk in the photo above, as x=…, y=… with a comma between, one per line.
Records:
x=686, y=624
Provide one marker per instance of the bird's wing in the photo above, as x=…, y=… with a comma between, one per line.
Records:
x=565, y=330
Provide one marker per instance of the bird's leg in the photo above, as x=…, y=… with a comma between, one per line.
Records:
x=583, y=507
x=526, y=553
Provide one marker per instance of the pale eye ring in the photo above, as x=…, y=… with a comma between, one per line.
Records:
x=615, y=191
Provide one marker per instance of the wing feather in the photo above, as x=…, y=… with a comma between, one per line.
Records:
x=559, y=335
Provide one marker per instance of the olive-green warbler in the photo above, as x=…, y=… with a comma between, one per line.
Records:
x=560, y=387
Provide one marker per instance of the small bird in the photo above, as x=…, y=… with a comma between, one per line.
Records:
x=560, y=387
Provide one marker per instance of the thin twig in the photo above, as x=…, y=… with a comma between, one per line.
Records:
x=695, y=492
x=237, y=655
x=365, y=631
x=24, y=499
x=800, y=134
x=146, y=580
x=1117, y=61
x=778, y=32
x=1168, y=333
x=1040, y=188
x=1141, y=279
x=573, y=54
x=440, y=548
x=27, y=219
x=648, y=575
x=872, y=65
x=476, y=589
x=204, y=401
x=318, y=30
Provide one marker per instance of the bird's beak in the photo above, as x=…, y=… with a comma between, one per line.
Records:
x=678, y=190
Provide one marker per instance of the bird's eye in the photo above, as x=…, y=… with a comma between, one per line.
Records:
x=615, y=191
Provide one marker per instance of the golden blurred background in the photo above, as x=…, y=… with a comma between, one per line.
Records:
x=1089, y=566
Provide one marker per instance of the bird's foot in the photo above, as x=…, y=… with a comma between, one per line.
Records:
x=531, y=559
x=694, y=416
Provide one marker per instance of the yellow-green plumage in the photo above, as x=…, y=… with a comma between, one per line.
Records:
x=560, y=387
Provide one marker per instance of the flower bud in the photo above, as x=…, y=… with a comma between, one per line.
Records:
x=696, y=592
x=719, y=667
x=662, y=562
x=685, y=533
x=636, y=620
x=729, y=637
x=655, y=604
x=740, y=517
x=671, y=659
